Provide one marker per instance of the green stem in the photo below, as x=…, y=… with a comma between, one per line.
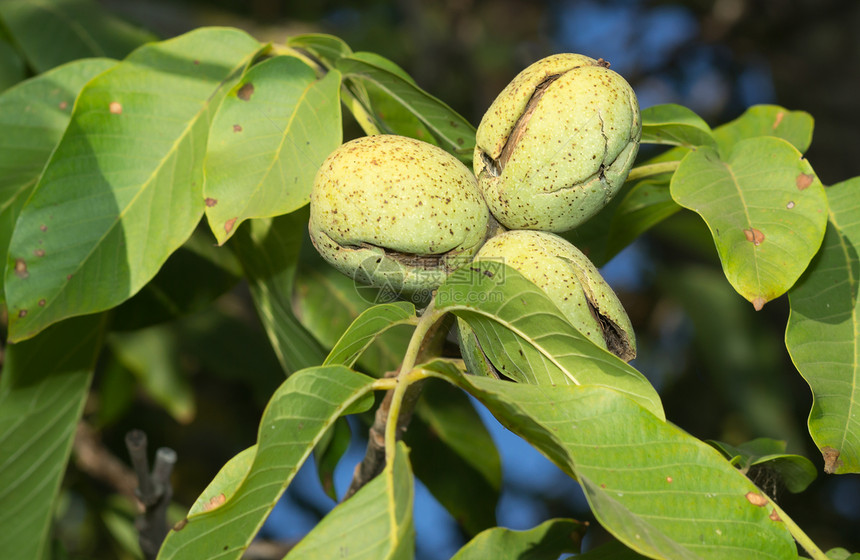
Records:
x=652, y=169
x=318, y=67
x=350, y=99
x=404, y=379
x=802, y=539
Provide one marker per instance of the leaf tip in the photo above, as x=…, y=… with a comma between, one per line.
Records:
x=758, y=303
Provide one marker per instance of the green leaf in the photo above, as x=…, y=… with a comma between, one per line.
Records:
x=43, y=389
x=326, y=302
x=675, y=125
x=528, y=339
x=548, y=540
x=297, y=416
x=660, y=491
x=447, y=436
x=374, y=524
x=795, y=471
x=824, y=329
x=268, y=250
x=327, y=48
x=328, y=452
x=122, y=191
x=366, y=328
x=765, y=208
x=268, y=138
x=12, y=68
x=645, y=205
x=842, y=554
x=610, y=551
x=153, y=356
x=51, y=32
x=34, y=115
x=192, y=278
x=451, y=131
x=391, y=115
x=475, y=360
x=766, y=120
x=228, y=480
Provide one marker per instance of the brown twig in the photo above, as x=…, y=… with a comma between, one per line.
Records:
x=374, y=456
x=94, y=459
x=153, y=490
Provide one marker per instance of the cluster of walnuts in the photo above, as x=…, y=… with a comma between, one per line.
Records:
x=553, y=148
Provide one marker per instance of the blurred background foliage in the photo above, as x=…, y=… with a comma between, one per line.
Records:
x=198, y=384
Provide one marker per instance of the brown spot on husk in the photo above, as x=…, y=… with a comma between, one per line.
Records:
x=604, y=63
x=754, y=236
x=803, y=181
x=210, y=202
x=228, y=225
x=756, y=499
x=21, y=268
x=245, y=92
x=832, y=462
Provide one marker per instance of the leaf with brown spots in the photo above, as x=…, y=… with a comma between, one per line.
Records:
x=766, y=120
x=252, y=481
x=823, y=333
x=765, y=231
x=140, y=213
x=32, y=126
x=623, y=456
x=290, y=125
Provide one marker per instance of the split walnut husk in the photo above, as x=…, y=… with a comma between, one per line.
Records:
x=571, y=281
x=396, y=213
x=557, y=143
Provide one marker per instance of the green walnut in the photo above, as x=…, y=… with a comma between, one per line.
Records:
x=397, y=213
x=571, y=281
x=557, y=143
